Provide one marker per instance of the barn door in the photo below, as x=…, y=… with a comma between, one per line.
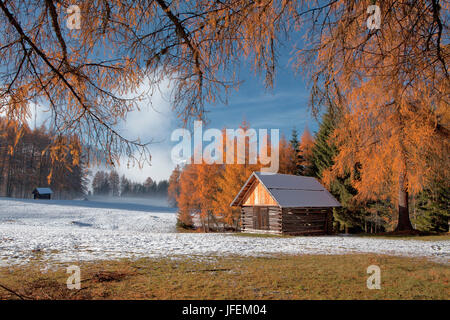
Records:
x=261, y=218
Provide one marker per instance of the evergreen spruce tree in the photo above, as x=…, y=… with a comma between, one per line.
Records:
x=295, y=143
x=323, y=152
x=432, y=207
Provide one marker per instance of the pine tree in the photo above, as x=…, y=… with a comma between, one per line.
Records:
x=432, y=207
x=321, y=159
x=323, y=150
x=298, y=158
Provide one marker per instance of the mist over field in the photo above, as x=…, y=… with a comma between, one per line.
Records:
x=133, y=201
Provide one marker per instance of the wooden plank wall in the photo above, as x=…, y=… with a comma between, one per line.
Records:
x=258, y=195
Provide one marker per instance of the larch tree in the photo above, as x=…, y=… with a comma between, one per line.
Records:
x=205, y=190
x=81, y=73
x=391, y=85
x=174, y=186
x=229, y=182
x=230, y=177
x=288, y=157
x=189, y=201
x=306, y=145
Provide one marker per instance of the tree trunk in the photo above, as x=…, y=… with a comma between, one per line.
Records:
x=404, y=223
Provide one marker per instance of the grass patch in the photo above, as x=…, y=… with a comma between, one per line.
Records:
x=185, y=230
x=275, y=277
x=436, y=237
x=260, y=235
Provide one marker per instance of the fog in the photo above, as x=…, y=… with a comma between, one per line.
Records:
x=148, y=201
x=155, y=204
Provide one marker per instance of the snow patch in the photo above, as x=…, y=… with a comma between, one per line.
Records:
x=67, y=231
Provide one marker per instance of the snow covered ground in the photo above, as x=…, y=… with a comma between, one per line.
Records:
x=64, y=231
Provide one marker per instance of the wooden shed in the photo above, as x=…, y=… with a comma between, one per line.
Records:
x=285, y=204
x=42, y=193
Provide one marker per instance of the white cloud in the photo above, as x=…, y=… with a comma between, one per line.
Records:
x=154, y=121
x=39, y=115
x=161, y=166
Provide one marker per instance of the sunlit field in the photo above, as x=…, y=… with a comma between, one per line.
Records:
x=139, y=254
x=276, y=277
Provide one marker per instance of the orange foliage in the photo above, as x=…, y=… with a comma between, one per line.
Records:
x=206, y=191
x=306, y=145
x=391, y=86
x=288, y=157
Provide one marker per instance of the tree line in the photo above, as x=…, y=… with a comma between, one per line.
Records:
x=26, y=163
x=111, y=184
x=204, y=191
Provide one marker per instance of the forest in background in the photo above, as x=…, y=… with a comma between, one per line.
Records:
x=205, y=191
x=26, y=163
x=111, y=184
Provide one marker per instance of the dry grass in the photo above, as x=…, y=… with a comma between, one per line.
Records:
x=391, y=236
x=281, y=277
x=261, y=235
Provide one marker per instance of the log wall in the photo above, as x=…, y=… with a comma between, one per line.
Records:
x=291, y=221
x=274, y=220
x=304, y=221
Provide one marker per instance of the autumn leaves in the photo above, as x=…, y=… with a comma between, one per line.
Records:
x=203, y=191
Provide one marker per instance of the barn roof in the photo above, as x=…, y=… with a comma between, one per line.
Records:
x=290, y=191
x=43, y=190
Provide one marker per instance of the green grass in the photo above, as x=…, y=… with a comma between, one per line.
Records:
x=276, y=277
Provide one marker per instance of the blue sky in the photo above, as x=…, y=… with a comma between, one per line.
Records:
x=283, y=107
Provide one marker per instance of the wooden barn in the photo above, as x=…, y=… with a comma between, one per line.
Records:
x=285, y=204
x=42, y=193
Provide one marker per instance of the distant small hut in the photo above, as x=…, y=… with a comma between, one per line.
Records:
x=42, y=193
x=285, y=204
